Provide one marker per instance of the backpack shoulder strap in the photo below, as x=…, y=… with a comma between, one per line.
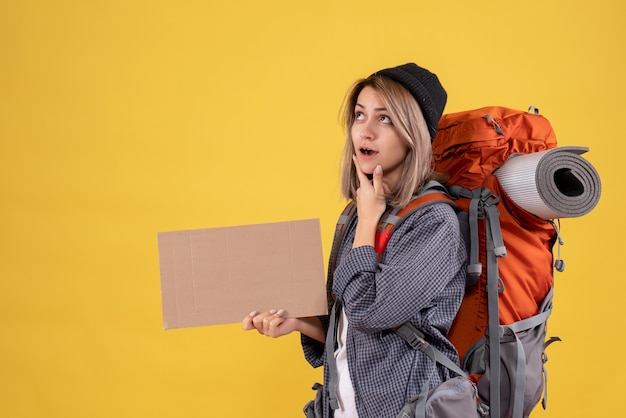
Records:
x=340, y=229
x=483, y=205
x=432, y=192
x=331, y=364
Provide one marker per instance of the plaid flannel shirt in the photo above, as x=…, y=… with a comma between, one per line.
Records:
x=421, y=279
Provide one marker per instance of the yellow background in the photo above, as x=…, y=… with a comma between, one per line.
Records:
x=120, y=119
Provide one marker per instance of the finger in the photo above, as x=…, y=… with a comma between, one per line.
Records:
x=259, y=319
x=273, y=329
x=362, y=177
x=379, y=187
x=267, y=321
x=247, y=324
x=281, y=324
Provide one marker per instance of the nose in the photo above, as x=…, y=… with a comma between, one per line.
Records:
x=367, y=130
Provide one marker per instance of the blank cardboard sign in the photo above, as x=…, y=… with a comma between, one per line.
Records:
x=219, y=275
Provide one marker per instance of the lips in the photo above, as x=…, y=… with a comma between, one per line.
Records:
x=367, y=151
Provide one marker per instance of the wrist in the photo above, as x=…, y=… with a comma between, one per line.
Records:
x=365, y=234
x=311, y=327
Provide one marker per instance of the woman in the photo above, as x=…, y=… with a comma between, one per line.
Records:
x=390, y=118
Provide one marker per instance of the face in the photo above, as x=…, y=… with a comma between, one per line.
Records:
x=375, y=139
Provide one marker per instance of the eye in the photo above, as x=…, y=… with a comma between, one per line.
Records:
x=385, y=119
x=358, y=116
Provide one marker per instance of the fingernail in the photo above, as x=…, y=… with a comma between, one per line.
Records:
x=280, y=312
x=379, y=169
x=272, y=311
x=253, y=313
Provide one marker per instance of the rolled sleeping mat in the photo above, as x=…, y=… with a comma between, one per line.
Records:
x=557, y=183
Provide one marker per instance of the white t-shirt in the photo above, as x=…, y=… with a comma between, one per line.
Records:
x=345, y=390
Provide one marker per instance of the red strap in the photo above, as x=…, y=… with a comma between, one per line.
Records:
x=382, y=238
x=384, y=231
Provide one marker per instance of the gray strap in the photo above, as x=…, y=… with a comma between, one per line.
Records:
x=340, y=229
x=559, y=263
x=490, y=200
x=483, y=204
x=495, y=124
x=343, y=219
x=331, y=365
x=389, y=218
x=533, y=109
x=520, y=380
x=346, y=215
x=420, y=406
x=433, y=186
x=415, y=338
x=333, y=376
x=392, y=217
x=474, y=267
x=494, y=322
x=531, y=322
x=514, y=329
x=420, y=399
x=544, y=371
x=544, y=401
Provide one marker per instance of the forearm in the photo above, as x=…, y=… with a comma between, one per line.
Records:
x=422, y=256
x=312, y=328
x=365, y=232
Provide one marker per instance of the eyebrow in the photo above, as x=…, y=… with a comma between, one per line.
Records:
x=377, y=109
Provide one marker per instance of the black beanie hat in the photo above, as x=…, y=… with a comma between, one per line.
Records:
x=425, y=87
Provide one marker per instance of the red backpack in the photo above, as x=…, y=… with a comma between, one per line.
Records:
x=500, y=328
x=499, y=331
x=469, y=147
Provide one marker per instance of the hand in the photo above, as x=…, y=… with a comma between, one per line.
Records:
x=371, y=202
x=270, y=323
x=371, y=196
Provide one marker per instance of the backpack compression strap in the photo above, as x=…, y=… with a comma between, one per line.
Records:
x=415, y=338
x=483, y=206
x=331, y=364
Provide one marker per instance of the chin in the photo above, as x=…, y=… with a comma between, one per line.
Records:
x=368, y=168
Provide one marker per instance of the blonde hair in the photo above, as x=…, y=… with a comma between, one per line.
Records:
x=410, y=125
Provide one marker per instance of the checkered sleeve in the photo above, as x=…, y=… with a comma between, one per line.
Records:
x=313, y=349
x=422, y=256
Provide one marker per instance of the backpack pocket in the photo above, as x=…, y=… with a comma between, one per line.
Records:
x=454, y=398
x=521, y=384
x=313, y=409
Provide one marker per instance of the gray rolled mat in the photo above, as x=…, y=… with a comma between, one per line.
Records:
x=557, y=183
